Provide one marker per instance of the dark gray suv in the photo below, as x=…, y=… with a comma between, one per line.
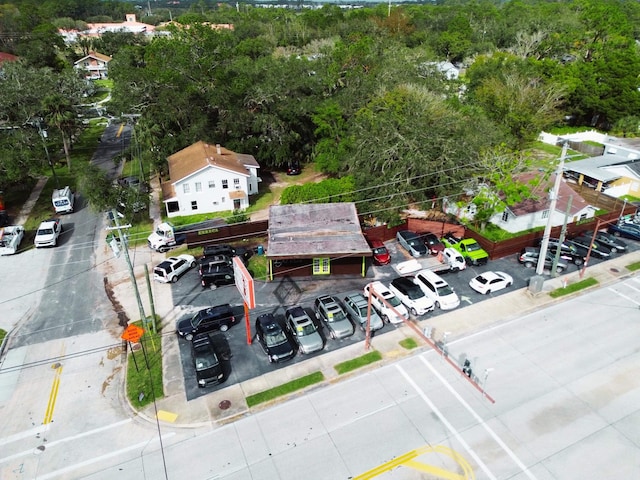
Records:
x=530, y=255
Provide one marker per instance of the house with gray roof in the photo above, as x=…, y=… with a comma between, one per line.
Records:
x=319, y=239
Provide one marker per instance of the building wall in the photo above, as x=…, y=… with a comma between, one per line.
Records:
x=205, y=188
x=303, y=267
x=537, y=219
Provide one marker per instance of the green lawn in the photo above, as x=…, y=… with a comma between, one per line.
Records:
x=145, y=371
x=285, y=389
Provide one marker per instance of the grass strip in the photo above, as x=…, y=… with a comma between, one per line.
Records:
x=284, y=389
x=574, y=287
x=633, y=266
x=358, y=362
x=143, y=372
x=408, y=343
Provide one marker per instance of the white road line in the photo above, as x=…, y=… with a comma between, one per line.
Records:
x=446, y=423
x=623, y=296
x=75, y=466
x=62, y=440
x=32, y=432
x=479, y=419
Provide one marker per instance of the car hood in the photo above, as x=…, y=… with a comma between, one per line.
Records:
x=281, y=350
x=311, y=342
x=341, y=326
x=184, y=326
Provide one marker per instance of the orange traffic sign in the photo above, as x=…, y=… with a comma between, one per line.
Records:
x=132, y=333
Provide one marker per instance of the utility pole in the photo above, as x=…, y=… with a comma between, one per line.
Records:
x=125, y=246
x=552, y=206
x=563, y=232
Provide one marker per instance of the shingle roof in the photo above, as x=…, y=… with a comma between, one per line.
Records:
x=542, y=202
x=201, y=155
x=311, y=230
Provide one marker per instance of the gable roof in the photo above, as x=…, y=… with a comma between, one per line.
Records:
x=96, y=55
x=318, y=229
x=542, y=202
x=200, y=155
x=7, y=57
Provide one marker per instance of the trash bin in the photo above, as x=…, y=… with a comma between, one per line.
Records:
x=260, y=250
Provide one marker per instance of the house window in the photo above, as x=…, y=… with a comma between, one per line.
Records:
x=222, y=200
x=198, y=186
x=583, y=216
x=185, y=188
x=173, y=207
x=545, y=213
x=225, y=184
x=505, y=216
x=236, y=181
x=321, y=266
x=194, y=205
x=212, y=184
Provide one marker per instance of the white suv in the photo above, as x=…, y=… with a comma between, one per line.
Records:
x=411, y=295
x=393, y=310
x=437, y=289
x=171, y=269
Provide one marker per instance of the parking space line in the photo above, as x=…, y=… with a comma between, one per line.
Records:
x=624, y=296
x=446, y=423
x=479, y=419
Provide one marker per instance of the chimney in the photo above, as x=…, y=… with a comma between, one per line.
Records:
x=218, y=149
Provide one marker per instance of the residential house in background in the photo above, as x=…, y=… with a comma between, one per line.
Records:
x=206, y=178
x=95, y=65
x=96, y=30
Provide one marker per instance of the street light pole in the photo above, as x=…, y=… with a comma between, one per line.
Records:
x=43, y=135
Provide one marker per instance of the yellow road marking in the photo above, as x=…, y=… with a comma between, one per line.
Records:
x=120, y=130
x=48, y=416
x=409, y=460
x=167, y=416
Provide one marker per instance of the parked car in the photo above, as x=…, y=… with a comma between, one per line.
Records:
x=215, y=259
x=356, y=306
x=216, y=274
x=625, y=229
x=207, y=354
x=608, y=240
x=568, y=251
x=329, y=311
x=490, y=281
x=597, y=249
x=412, y=243
x=469, y=248
x=530, y=255
x=170, y=269
x=48, y=233
x=219, y=317
x=411, y=295
x=273, y=339
x=391, y=309
x=227, y=250
x=294, y=168
x=432, y=242
x=303, y=330
x=437, y=289
x=381, y=255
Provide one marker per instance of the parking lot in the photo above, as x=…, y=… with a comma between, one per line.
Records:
x=249, y=361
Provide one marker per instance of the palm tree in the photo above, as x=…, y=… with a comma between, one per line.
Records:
x=59, y=112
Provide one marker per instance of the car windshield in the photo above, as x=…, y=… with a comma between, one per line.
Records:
x=336, y=316
x=363, y=312
x=415, y=293
x=196, y=319
x=275, y=338
x=306, y=329
x=205, y=360
x=444, y=290
x=481, y=279
x=45, y=231
x=413, y=242
x=380, y=250
x=472, y=247
x=393, y=300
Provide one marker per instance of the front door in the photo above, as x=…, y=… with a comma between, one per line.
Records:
x=236, y=204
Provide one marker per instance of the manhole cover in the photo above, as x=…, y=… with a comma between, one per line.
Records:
x=224, y=404
x=614, y=270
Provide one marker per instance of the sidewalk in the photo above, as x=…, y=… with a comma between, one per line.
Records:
x=227, y=404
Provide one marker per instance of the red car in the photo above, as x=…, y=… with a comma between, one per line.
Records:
x=432, y=242
x=380, y=253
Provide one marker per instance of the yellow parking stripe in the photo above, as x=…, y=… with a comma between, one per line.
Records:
x=48, y=416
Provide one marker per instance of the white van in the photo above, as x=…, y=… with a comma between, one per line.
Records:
x=393, y=307
x=437, y=289
x=63, y=200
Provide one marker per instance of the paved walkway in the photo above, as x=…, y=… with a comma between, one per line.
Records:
x=25, y=211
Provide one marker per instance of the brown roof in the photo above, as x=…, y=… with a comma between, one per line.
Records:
x=237, y=194
x=542, y=202
x=201, y=155
x=7, y=57
x=99, y=56
x=311, y=230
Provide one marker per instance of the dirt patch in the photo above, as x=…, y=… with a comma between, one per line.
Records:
x=123, y=319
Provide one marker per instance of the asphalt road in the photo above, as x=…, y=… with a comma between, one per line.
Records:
x=564, y=380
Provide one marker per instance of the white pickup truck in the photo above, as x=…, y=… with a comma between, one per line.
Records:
x=10, y=238
x=48, y=233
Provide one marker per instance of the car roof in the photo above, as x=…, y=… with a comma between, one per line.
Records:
x=403, y=281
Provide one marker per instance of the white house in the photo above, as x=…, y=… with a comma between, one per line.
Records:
x=206, y=178
x=534, y=212
x=95, y=65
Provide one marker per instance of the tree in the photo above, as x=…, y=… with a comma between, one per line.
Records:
x=59, y=113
